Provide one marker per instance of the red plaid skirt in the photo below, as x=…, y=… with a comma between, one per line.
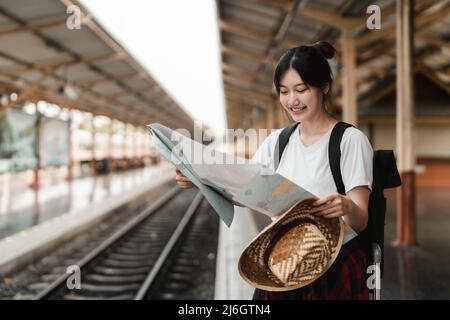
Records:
x=345, y=280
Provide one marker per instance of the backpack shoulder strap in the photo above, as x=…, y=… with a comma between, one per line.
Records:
x=334, y=154
x=282, y=142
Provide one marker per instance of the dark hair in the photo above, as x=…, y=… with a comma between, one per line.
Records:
x=310, y=61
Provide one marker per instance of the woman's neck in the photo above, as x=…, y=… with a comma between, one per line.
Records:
x=317, y=125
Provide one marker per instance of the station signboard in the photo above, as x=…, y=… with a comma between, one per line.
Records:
x=54, y=142
x=17, y=141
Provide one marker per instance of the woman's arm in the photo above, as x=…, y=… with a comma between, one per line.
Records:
x=353, y=207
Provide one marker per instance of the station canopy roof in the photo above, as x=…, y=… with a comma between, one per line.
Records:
x=41, y=58
x=254, y=34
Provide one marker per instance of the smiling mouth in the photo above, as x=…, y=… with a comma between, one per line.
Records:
x=297, y=109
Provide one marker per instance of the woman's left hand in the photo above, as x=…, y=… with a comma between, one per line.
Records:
x=332, y=206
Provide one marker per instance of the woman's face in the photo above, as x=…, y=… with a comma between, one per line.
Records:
x=301, y=101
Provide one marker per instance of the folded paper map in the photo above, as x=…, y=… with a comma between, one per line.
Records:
x=229, y=180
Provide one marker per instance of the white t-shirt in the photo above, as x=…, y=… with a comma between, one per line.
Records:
x=309, y=167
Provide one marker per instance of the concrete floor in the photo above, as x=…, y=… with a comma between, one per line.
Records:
x=423, y=271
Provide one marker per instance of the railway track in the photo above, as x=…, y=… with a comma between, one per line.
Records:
x=133, y=261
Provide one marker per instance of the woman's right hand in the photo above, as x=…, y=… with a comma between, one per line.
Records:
x=182, y=181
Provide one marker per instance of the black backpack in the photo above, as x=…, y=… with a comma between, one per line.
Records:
x=385, y=175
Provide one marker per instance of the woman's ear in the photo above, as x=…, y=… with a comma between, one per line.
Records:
x=326, y=88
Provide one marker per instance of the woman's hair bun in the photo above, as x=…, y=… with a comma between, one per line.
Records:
x=325, y=48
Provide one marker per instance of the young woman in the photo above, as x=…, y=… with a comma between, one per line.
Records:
x=303, y=82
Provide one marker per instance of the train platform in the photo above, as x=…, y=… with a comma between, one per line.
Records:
x=416, y=272
x=421, y=271
x=30, y=227
x=232, y=241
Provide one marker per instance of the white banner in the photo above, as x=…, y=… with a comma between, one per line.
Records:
x=17, y=141
x=54, y=142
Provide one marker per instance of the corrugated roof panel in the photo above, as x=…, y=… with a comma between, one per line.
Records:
x=419, y=44
x=269, y=73
x=445, y=78
x=114, y=67
x=438, y=59
x=82, y=41
x=278, y=52
x=150, y=108
x=8, y=64
x=107, y=88
x=244, y=43
x=326, y=5
x=137, y=84
x=251, y=7
x=52, y=83
x=31, y=76
x=34, y=10
x=304, y=29
x=441, y=27
x=153, y=95
x=6, y=23
x=242, y=63
x=79, y=72
x=62, y=58
x=252, y=16
x=19, y=44
x=357, y=8
x=128, y=99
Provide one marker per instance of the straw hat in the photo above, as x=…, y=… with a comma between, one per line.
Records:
x=293, y=251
